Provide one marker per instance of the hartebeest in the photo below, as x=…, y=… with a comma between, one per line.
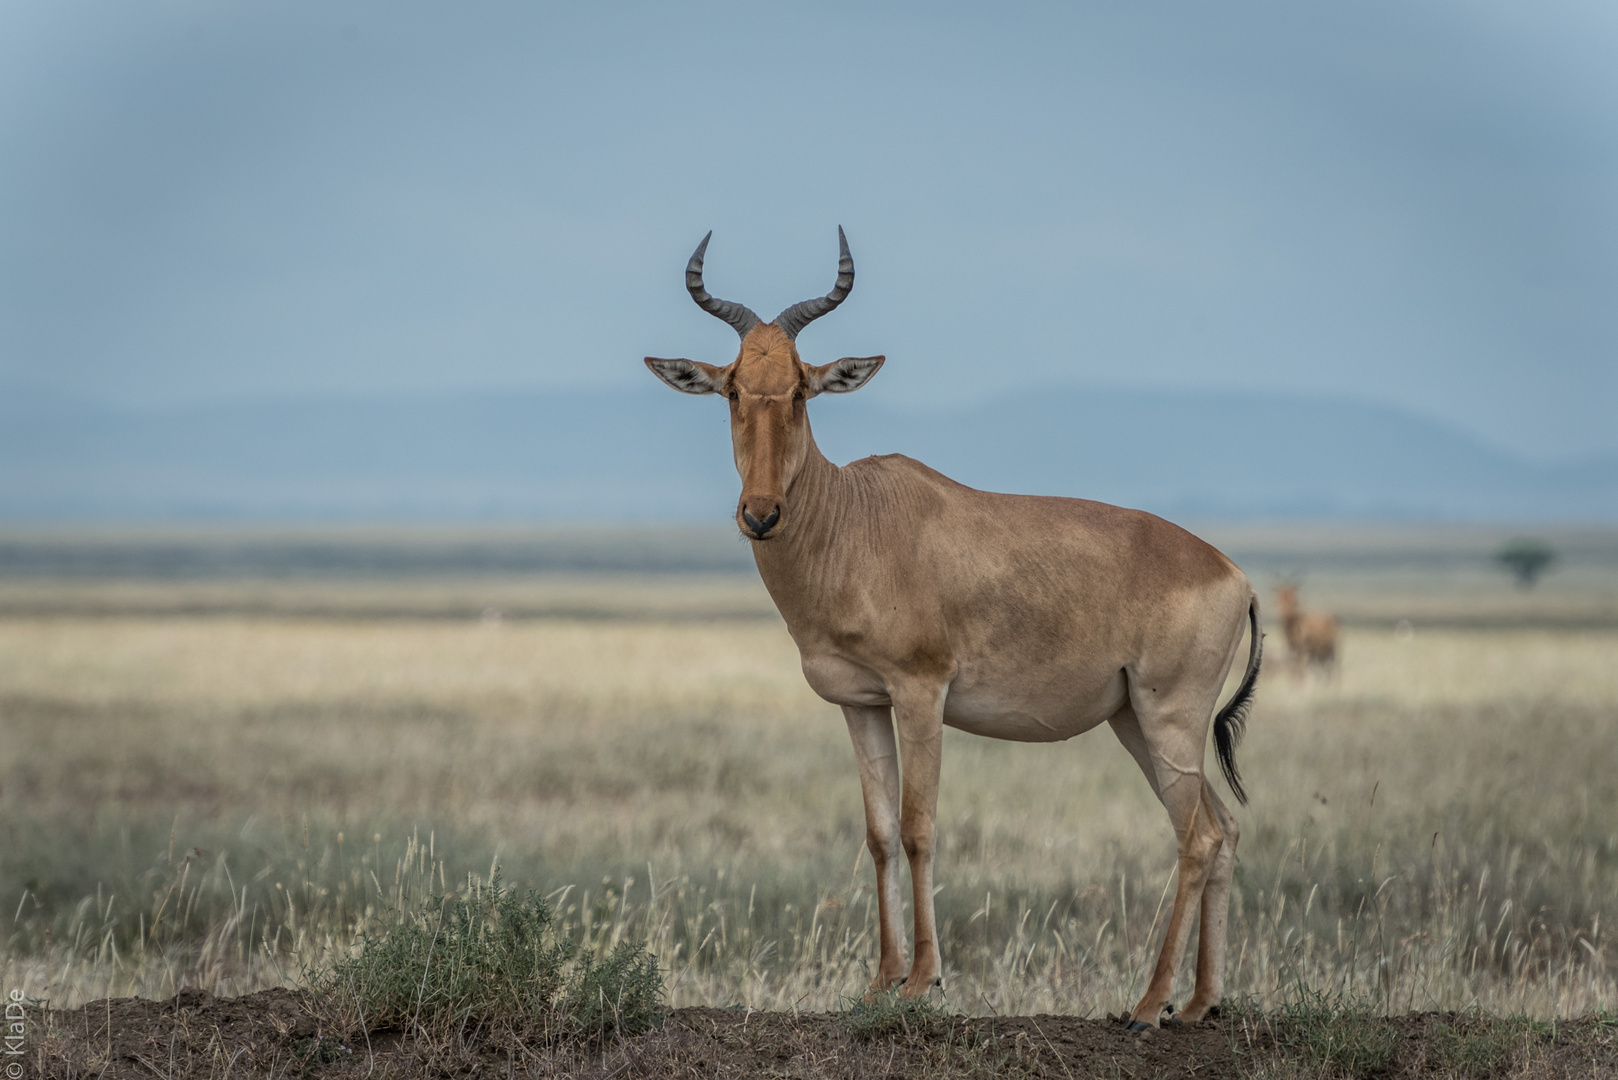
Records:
x=1311, y=635
x=1013, y=616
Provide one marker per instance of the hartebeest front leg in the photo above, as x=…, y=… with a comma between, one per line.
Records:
x=878, y=758
x=920, y=715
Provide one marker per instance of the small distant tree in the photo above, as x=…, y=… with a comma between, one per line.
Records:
x=1526, y=559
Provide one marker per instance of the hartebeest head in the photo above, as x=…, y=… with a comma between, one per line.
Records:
x=767, y=386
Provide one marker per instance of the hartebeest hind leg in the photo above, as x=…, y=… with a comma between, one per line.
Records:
x=878, y=758
x=1215, y=913
x=1171, y=757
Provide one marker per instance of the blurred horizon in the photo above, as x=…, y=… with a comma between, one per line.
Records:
x=649, y=455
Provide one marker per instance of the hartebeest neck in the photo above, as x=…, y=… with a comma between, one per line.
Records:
x=810, y=558
x=812, y=494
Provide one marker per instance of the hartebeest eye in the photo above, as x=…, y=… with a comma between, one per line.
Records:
x=734, y=396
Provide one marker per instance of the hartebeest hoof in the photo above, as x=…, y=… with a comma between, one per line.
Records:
x=881, y=987
x=1194, y=1012
x=1165, y=1015
x=915, y=988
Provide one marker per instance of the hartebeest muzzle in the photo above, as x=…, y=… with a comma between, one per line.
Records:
x=759, y=515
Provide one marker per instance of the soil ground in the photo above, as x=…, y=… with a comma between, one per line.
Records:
x=276, y=1034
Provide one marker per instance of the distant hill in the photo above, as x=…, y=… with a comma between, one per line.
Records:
x=650, y=454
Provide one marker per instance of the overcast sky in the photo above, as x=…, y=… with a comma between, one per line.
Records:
x=1410, y=202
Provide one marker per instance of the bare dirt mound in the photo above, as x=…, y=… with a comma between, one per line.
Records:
x=275, y=1034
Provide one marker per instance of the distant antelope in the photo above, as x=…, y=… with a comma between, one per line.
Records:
x=1016, y=617
x=1311, y=635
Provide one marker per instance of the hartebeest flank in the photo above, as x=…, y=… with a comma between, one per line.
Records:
x=914, y=598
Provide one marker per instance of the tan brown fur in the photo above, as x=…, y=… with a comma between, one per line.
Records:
x=917, y=602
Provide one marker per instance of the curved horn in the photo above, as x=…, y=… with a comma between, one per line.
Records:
x=800, y=315
x=738, y=316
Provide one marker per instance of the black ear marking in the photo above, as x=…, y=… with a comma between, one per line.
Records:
x=849, y=373
x=684, y=375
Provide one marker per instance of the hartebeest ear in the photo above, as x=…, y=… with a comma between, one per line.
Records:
x=841, y=376
x=688, y=376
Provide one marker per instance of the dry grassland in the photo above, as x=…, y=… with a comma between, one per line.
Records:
x=217, y=800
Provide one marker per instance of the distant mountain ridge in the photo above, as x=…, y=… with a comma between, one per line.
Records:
x=650, y=454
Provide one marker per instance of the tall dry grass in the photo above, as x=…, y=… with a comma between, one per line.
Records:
x=224, y=801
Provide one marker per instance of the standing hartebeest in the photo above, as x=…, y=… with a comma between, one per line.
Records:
x=1311, y=635
x=1012, y=616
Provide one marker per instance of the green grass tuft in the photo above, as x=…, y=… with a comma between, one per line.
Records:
x=489, y=963
x=622, y=994
x=888, y=1015
x=1325, y=1034
x=1480, y=1047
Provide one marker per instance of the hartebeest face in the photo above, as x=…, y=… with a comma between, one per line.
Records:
x=768, y=387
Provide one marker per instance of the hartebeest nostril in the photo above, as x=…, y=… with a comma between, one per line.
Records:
x=759, y=528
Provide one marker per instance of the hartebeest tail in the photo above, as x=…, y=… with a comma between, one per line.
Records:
x=1231, y=721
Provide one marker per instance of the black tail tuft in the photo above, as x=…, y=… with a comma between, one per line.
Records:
x=1231, y=721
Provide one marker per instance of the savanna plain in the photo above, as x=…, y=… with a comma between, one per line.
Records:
x=219, y=774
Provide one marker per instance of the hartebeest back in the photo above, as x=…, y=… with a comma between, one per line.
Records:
x=916, y=599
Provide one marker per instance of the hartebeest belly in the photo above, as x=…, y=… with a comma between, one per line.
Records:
x=918, y=603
